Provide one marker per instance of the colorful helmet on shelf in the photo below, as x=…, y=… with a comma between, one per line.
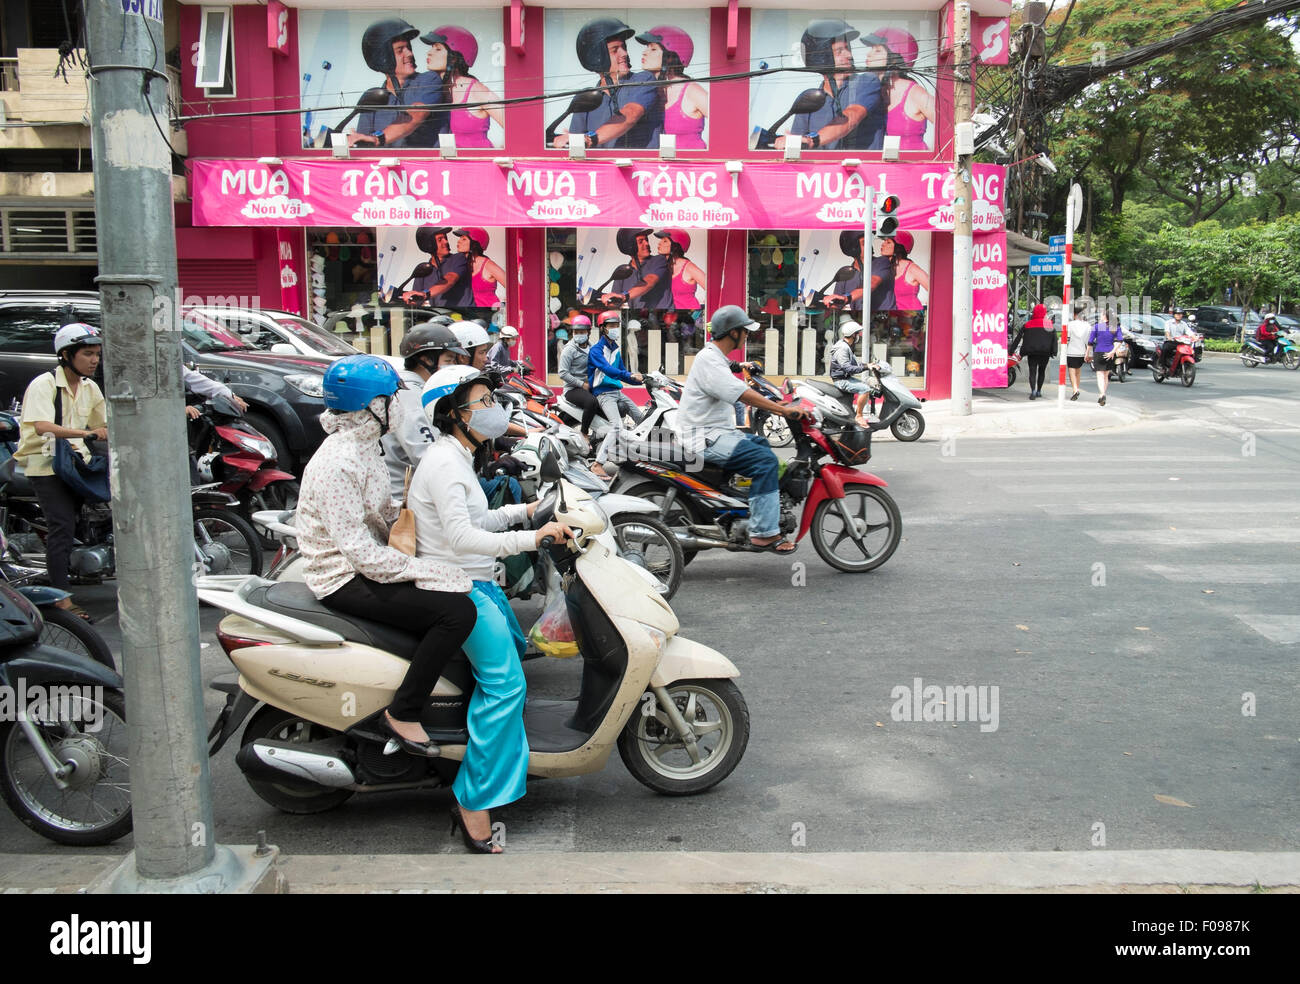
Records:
x=377, y=43
x=352, y=382
x=672, y=39
x=817, y=41
x=456, y=39
x=593, y=42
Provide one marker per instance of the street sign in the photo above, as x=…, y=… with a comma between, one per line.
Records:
x=1056, y=244
x=1052, y=265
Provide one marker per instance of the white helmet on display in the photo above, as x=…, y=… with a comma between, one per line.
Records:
x=850, y=328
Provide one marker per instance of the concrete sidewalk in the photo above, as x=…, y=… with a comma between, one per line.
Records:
x=1010, y=413
x=685, y=872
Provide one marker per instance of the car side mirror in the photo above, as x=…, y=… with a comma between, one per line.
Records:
x=283, y=348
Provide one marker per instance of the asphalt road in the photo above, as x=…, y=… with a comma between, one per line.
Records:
x=1129, y=593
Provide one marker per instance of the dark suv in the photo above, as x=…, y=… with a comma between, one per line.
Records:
x=283, y=393
x=1218, y=321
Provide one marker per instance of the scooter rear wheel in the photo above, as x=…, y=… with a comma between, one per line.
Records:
x=654, y=753
x=776, y=430
x=678, y=518
x=273, y=723
x=655, y=545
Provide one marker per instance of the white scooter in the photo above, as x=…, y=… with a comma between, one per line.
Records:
x=665, y=392
x=900, y=412
x=316, y=683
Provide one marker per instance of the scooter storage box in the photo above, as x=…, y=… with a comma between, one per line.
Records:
x=852, y=443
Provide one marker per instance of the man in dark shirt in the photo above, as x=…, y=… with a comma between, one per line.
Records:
x=853, y=118
x=386, y=46
x=448, y=285
x=631, y=114
x=651, y=279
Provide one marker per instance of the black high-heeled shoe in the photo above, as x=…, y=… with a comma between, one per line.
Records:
x=423, y=749
x=473, y=844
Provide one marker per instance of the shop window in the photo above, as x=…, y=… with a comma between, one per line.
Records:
x=345, y=272
x=796, y=325
x=216, y=57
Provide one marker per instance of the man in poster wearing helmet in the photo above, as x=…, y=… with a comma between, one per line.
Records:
x=649, y=285
x=449, y=283
x=631, y=114
x=853, y=118
x=386, y=47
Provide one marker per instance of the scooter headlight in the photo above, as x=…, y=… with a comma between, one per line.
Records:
x=659, y=636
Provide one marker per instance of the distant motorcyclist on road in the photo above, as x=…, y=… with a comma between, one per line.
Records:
x=1267, y=335
x=845, y=366
x=1175, y=328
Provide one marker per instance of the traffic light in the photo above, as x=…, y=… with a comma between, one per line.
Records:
x=886, y=215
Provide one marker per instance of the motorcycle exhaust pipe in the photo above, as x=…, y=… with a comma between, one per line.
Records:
x=698, y=543
x=290, y=764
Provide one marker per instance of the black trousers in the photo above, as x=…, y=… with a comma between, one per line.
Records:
x=1038, y=369
x=444, y=618
x=60, y=506
x=580, y=397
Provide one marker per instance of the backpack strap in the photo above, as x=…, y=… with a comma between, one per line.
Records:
x=58, y=399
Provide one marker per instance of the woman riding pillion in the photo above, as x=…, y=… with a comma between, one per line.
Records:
x=454, y=524
x=604, y=358
x=345, y=510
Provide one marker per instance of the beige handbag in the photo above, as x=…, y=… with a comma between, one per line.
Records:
x=402, y=535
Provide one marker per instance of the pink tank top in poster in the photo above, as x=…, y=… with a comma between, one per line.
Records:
x=683, y=292
x=485, y=291
x=907, y=296
x=469, y=130
x=899, y=124
x=688, y=130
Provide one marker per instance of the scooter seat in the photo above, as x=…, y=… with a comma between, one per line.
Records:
x=295, y=599
x=828, y=389
x=14, y=479
x=662, y=447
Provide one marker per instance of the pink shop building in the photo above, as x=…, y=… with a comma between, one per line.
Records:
x=524, y=164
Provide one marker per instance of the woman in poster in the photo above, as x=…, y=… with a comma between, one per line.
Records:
x=452, y=51
x=853, y=118
x=686, y=103
x=630, y=114
x=909, y=278
x=687, y=278
x=485, y=275
x=849, y=292
x=911, y=107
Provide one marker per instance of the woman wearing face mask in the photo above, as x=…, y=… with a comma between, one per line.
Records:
x=345, y=510
x=454, y=524
x=573, y=370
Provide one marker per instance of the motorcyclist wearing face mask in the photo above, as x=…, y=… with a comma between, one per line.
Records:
x=454, y=524
x=573, y=370
x=425, y=349
x=606, y=373
x=345, y=510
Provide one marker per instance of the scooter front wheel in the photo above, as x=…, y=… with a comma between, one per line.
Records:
x=1292, y=359
x=1188, y=373
x=875, y=518
x=776, y=430
x=654, y=752
x=909, y=426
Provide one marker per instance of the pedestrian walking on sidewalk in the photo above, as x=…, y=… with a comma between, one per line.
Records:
x=1038, y=345
x=1101, y=349
x=1076, y=347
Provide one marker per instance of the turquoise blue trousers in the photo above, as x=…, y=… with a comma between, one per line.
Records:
x=495, y=769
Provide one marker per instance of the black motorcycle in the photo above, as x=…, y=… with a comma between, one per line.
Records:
x=63, y=739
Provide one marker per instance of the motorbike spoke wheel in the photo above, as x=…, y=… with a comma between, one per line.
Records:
x=277, y=725
x=874, y=515
x=1157, y=375
x=655, y=753
x=228, y=544
x=1292, y=359
x=654, y=545
x=777, y=431
x=909, y=426
x=63, y=630
x=678, y=518
x=95, y=808
x=1188, y=373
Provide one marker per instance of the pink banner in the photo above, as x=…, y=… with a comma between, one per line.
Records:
x=290, y=275
x=416, y=192
x=989, y=307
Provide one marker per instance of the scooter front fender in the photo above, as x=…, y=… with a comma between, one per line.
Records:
x=830, y=485
x=683, y=659
x=614, y=504
x=264, y=477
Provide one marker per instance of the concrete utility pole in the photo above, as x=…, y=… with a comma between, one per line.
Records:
x=175, y=849
x=962, y=211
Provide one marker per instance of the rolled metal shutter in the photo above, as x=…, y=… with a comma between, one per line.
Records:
x=218, y=279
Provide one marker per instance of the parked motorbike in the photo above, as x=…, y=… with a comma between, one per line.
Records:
x=668, y=704
x=237, y=457
x=1182, y=363
x=1285, y=352
x=709, y=509
x=63, y=750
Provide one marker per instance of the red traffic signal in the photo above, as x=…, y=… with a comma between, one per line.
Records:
x=885, y=215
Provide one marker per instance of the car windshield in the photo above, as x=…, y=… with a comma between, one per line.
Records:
x=207, y=336
x=312, y=336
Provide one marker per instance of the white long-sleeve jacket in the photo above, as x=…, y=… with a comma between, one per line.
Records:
x=345, y=509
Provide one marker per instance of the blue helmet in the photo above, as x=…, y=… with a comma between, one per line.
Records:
x=351, y=383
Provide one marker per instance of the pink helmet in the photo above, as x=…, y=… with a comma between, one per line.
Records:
x=680, y=236
x=901, y=43
x=580, y=321
x=457, y=39
x=479, y=236
x=904, y=239
x=672, y=39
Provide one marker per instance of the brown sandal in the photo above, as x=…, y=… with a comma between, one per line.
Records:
x=73, y=608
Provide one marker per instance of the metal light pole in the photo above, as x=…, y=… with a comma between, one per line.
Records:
x=962, y=210
x=175, y=849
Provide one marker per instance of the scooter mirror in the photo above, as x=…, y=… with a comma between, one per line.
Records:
x=551, y=469
x=844, y=273
x=623, y=271
x=808, y=101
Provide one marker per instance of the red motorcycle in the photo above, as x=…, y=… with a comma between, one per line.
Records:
x=1182, y=363
x=854, y=523
x=516, y=379
x=227, y=450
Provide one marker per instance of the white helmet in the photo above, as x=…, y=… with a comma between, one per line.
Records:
x=509, y=331
x=445, y=382
x=850, y=328
x=75, y=335
x=470, y=334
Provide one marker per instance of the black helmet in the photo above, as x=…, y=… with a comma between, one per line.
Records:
x=377, y=43
x=817, y=41
x=851, y=243
x=728, y=318
x=626, y=240
x=593, y=42
x=429, y=337
x=426, y=237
